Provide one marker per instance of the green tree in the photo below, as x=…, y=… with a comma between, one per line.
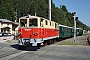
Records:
x=40, y=7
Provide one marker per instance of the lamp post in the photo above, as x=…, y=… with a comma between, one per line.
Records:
x=74, y=15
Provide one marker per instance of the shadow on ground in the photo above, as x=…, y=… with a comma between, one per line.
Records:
x=14, y=46
x=25, y=49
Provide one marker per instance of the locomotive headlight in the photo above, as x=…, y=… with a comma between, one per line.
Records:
x=35, y=33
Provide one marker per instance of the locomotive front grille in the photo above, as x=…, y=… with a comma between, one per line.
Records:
x=26, y=40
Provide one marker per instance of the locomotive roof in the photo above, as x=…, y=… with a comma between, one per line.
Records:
x=29, y=16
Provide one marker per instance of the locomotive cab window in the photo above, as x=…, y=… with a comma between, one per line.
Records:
x=33, y=22
x=23, y=22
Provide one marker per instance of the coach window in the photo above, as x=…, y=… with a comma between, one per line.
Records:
x=23, y=22
x=33, y=22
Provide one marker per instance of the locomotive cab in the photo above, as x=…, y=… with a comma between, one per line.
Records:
x=29, y=32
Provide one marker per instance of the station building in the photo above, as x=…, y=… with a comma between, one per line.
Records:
x=7, y=26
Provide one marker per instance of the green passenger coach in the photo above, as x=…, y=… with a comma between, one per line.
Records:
x=79, y=31
x=66, y=31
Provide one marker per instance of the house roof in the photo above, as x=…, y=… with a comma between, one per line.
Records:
x=8, y=21
x=5, y=20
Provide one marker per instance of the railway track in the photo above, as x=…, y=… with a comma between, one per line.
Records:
x=13, y=54
x=35, y=55
x=7, y=51
x=49, y=52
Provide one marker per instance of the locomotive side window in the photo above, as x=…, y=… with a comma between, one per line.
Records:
x=23, y=22
x=46, y=22
x=50, y=23
x=33, y=22
x=56, y=25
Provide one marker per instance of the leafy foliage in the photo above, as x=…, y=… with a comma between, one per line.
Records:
x=40, y=7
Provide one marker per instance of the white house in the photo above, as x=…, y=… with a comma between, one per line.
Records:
x=7, y=26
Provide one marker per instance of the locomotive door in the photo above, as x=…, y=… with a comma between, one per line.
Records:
x=42, y=29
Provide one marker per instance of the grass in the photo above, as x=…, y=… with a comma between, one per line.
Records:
x=10, y=41
x=67, y=43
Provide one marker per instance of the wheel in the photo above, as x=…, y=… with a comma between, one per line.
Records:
x=44, y=43
x=38, y=46
x=54, y=41
x=49, y=42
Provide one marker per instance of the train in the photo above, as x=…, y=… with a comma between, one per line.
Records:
x=66, y=31
x=38, y=31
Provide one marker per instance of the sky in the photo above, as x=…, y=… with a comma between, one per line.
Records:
x=82, y=8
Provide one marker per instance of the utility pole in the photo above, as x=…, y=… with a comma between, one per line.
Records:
x=74, y=27
x=74, y=15
x=15, y=22
x=16, y=15
x=49, y=10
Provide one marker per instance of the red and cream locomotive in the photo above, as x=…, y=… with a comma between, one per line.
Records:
x=36, y=31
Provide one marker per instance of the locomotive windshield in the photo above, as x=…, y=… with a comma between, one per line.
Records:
x=33, y=22
x=23, y=22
